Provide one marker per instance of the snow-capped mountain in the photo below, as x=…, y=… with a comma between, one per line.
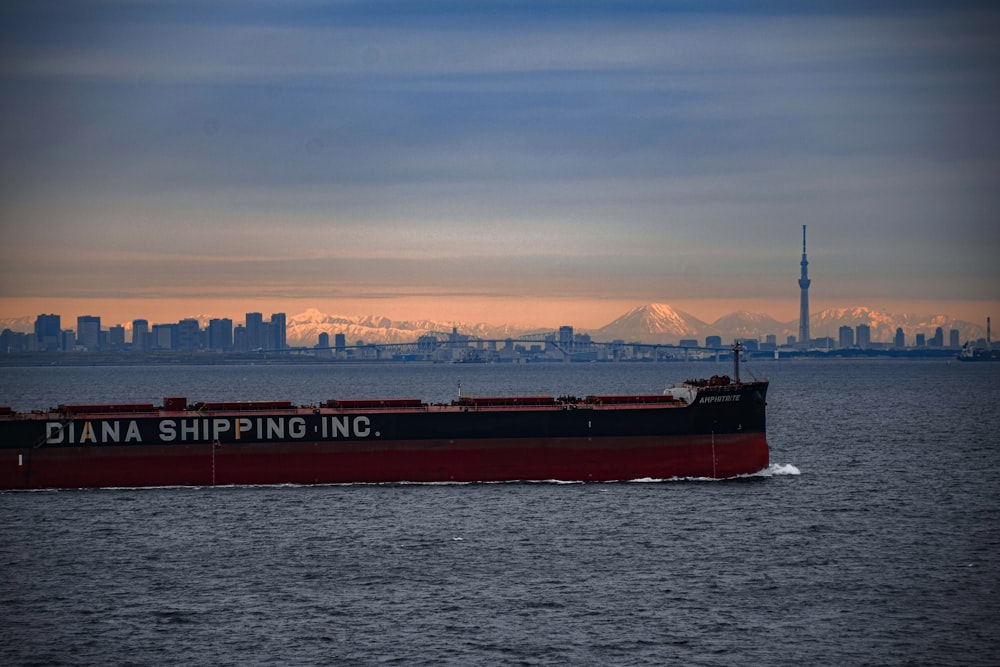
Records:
x=660, y=323
x=24, y=324
x=653, y=323
x=883, y=324
x=304, y=329
x=743, y=324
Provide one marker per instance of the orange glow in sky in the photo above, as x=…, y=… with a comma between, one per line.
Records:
x=534, y=312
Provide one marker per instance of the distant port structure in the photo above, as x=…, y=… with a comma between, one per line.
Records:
x=562, y=345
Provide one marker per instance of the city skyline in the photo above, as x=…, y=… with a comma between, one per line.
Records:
x=535, y=164
x=654, y=324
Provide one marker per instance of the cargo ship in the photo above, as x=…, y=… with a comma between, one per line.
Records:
x=711, y=428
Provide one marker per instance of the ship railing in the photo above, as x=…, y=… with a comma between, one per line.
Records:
x=105, y=408
x=375, y=404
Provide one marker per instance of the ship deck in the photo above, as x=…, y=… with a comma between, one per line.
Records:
x=352, y=407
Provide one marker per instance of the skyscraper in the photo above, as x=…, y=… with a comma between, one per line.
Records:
x=48, y=333
x=804, y=302
x=863, y=336
x=188, y=335
x=846, y=337
x=116, y=338
x=140, y=335
x=88, y=332
x=220, y=334
x=255, y=331
x=279, y=327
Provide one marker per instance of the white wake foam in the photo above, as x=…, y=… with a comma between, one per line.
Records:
x=775, y=470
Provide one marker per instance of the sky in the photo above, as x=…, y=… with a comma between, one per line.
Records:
x=527, y=162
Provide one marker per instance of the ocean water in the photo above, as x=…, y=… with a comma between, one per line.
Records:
x=873, y=538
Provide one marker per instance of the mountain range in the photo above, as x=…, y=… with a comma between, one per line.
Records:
x=304, y=329
x=650, y=323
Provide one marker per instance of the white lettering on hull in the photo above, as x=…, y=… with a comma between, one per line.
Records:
x=132, y=433
x=729, y=398
x=105, y=432
x=207, y=430
x=345, y=427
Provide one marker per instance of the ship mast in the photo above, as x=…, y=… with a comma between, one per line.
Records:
x=737, y=346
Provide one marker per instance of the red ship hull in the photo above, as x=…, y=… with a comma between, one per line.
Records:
x=570, y=459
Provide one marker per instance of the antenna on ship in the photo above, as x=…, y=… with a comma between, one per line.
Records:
x=737, y=346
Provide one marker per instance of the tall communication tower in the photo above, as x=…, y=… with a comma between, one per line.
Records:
x=804, y=302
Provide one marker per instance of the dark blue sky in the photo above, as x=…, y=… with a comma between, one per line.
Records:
x=478, y=159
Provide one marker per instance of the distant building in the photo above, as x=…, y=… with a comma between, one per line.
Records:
x=692, y=342
x=953, y=338
x=188, y=335
x=255, y=331
x=921, y=340
x=846, y=337
x=278, y=331
x=140, y=335
x=163, y=336
x=267, y=342
x=220, y=334
x=323, y=346
x=240, y=339
x=900, y=338
x=863, y=336
x=88, y=332
x=713, y=341
x=937, y=340
x=116, y=338
x=48, y=333
x=13, y=342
